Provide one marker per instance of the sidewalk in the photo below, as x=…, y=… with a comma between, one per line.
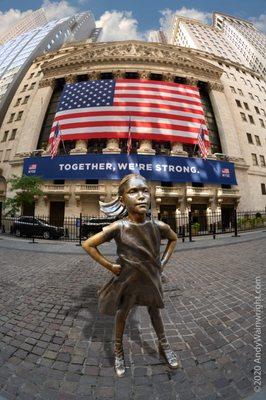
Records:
x=60, y=247
x=54, y=344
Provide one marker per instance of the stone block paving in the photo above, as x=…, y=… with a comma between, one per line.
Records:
x=55, y=346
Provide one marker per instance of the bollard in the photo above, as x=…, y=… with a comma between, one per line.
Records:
x=190, y=226
x=214, y=230
x=80, y=231
x=183, y=233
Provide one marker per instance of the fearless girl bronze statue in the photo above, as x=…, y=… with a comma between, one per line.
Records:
x=137, y=272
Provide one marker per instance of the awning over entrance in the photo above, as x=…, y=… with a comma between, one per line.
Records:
x=115, y=166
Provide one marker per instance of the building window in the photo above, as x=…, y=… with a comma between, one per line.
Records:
x=261, y=123
x=257, y=110
x=238, y=103
x=5, y=136
x=251, y=96
x=246, y=106
x=262, y=161
x=7, y=155
x=249, y=136
x=254, y=159
x=243, y=116
x=13, y=134
x=18, y=102
x=257, y=98
x=263, y=112
x=31, y=75
x=258, y=143
x=19, y=116
x=25, y=87
x=232, y=89
x=233, y=76
x=32, y=86
x=240, y=92
x=26, y=99
x=11, y=119
x=263, y=188
x=251, y=120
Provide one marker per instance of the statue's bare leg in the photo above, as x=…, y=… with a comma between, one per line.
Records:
x=120, y=322
x=164, y=347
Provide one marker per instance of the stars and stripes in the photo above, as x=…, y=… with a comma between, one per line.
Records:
x=56, y=139
x=201, y=143
x=159, y=111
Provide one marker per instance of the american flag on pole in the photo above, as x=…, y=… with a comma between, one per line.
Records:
x=201, y=143
x=159, y=111
x=56, y=139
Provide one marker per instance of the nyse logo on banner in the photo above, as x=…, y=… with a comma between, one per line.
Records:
x=32, y=169
x=226, y=172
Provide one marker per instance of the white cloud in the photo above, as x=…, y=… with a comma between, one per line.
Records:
x=202, y=16
x=58, y=9
x=119, y=25
x=260, y=22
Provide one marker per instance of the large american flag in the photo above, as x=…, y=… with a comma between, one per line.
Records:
x=157, y=111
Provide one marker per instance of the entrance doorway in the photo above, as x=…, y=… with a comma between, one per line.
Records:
x=227, y=216
x=57, y=213
x=198, y=213
x=167, y=215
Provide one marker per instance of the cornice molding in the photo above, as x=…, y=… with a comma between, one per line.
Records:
x=167, y=59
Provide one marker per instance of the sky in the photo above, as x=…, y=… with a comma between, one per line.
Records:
x=124, y=19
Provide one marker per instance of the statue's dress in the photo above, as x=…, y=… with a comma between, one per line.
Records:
x=138, y=250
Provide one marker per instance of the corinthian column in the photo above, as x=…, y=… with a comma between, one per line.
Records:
x=80, y=147
x=177, y=150
x=146, y=147
x=225, y=121
x=112, y=146
x=71, y=78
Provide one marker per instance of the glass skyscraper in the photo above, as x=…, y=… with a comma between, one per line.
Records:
x=17, y=54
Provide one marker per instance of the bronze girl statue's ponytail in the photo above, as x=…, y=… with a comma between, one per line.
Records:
x=115, y=208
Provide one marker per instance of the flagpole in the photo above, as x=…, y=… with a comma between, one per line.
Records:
x=64, y=146
x=129, y=140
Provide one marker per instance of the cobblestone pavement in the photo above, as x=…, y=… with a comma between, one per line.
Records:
x=54, y=344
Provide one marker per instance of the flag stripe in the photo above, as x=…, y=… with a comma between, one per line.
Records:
x=158, y=84
x=124, y=135
x=150, y=91
x=193, y=123
x=168, y=112
x=123, y=129
x=161, y=110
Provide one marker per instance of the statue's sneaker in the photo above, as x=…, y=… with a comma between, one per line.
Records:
x=169, y=356
x=120, y=368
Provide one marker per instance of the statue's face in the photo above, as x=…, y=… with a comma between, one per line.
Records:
x=136, y=196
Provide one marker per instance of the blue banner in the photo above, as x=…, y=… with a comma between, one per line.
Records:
x=115, y=166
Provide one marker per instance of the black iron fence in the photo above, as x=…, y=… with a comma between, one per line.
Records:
x=187, y=225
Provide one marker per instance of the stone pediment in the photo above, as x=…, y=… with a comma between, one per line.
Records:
x=135, y=52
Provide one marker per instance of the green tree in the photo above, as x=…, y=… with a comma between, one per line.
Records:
x=26, y=189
